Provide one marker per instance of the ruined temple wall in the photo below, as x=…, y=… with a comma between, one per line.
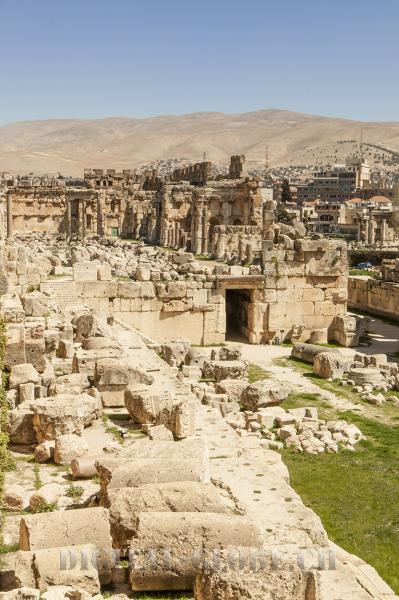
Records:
x=277, y=306
x=372, y=296
x=241, y=241
x=38, y=212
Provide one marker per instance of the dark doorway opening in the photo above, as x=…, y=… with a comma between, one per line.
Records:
x=238, y=304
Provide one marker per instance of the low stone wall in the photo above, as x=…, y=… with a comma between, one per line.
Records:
x=373, y=296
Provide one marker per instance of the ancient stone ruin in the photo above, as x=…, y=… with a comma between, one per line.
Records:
x=147, y=460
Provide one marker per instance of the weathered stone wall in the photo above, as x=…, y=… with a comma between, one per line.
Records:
x=300, y=291
x=39, y=209
x=373, y=296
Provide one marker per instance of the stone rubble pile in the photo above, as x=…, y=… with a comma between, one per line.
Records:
x=370, y=375
x=187, y=476
x=254, y=409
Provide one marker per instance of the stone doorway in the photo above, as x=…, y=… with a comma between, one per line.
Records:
x=238, y=310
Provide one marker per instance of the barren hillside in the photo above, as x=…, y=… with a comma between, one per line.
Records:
x=70, y=145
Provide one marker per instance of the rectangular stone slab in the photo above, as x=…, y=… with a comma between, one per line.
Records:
x=153, y=470
x=125, y=504
x=71, y=527
x=178, y=540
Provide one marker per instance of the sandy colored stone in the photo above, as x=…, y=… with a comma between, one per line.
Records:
x=67, y=447
x=125, y=504
x=70, y=527
x=200, y=531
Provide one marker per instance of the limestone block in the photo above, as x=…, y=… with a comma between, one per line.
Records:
x=232, y=388
x=84, y=467
x=201, y=532
x=125, y=504
x=17, y=571
x=68, y=447
x=44, y=452
x=312, y=295
x=175, y=351
x=84, y=271
x=243, y=573
x=176, y=306
x=26, y=392
x=226, y=369
x=366, y=375
x=74, y=383
x=100, y=289
x=308, y=352
x=195, y=357
x=54, y=418
x=35, y=304
x=15, y=350
x=65, y=349
x=23, y=373
x=35, y=350
x=190, y=448
x=129, y=289
x=191, y=372
x=77, y=568
x=263, y=394
x=104, y=273
x=328, y=365
x=143, y=274
x=147, y=290
x=175, y=290
x=183, y=419
x=148, y=405
x=47, y=494
x=226, y=353
x=324, y=309
x=319, y=336
x=71, y=528
x=20, y=425
x=14, y=498
x=88, y=325
x=153, y=470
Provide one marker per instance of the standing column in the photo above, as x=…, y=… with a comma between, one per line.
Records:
x=9, y=216
x=383, y=231
x=100, y=222
x=205, y=235
x=69, y=220
x=84, y=220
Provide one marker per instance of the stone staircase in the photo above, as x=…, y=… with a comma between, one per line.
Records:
x=65, y=293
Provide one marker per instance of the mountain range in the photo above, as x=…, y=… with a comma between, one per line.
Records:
x=70, y=145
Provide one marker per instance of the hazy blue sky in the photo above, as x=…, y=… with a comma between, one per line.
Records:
x=97, y=58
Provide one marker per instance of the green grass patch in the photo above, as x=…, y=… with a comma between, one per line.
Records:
x=357, y=494
x=74, y=491
x=203, y=257
x=7, y=548
x=386, y=413
x=37, y=480
x=302, y=400
x=45, y=507
x=113, y=430
x=256, y=373
x=364, y=273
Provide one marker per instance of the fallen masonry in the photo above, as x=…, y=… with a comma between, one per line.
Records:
x=134, y=449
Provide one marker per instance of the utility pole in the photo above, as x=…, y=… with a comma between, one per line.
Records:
x=267, y=160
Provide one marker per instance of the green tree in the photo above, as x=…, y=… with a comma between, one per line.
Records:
x=286, y=195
